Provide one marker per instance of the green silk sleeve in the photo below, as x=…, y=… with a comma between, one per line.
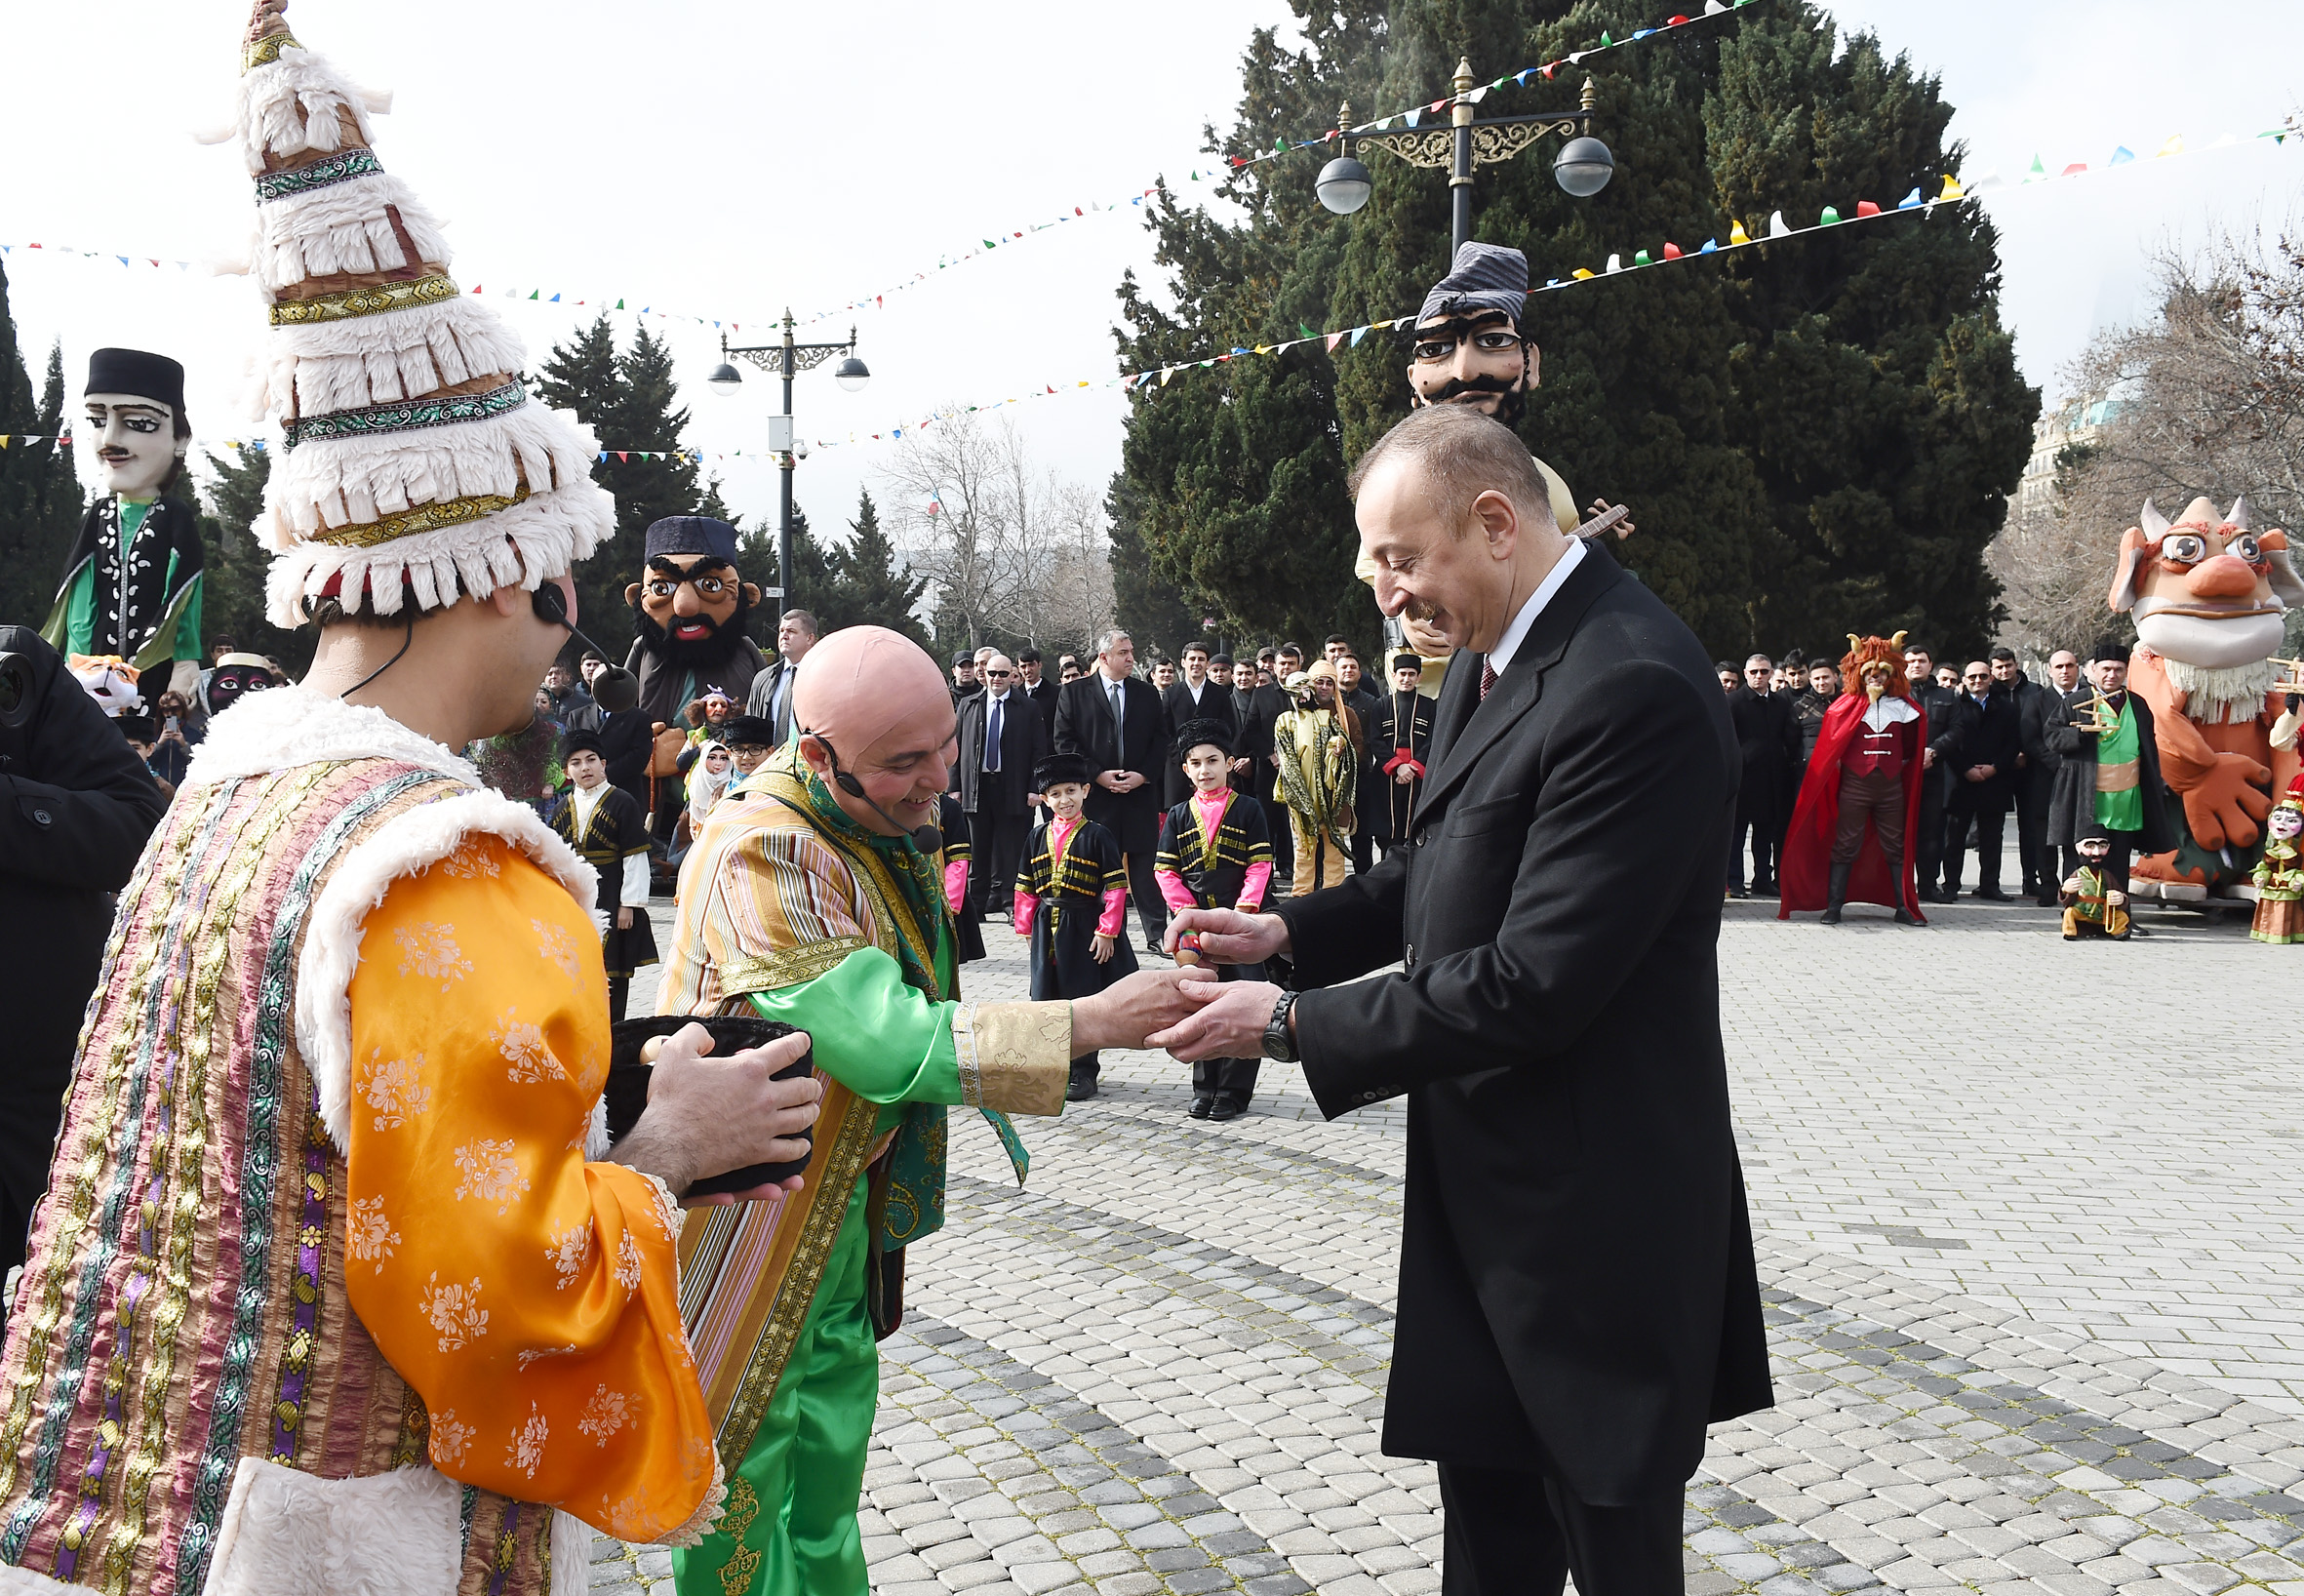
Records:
x=878, y=1037
x=187, y=625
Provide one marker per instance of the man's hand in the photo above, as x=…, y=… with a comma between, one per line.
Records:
x=1110, y=780
x=1928, y=759
x=1228, y=937
x=705, y=1116
x=1129, y=1010
x=1229, y=1024
x=1239, y=765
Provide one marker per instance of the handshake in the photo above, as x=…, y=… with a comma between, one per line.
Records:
x=1184, y=1010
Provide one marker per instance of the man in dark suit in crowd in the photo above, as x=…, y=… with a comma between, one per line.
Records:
x=1984, y=780
x=771, y=698
x=1577, y=1296
x=1809, y=708
x=1042, y=691
x=1115, y=722
x=2036, y=765
x=1001, y=740
x=1270, y=703
x=1935, y=777
x=1193, y=696
x=76, y=807
x=1768, y=742
x=1353, y=694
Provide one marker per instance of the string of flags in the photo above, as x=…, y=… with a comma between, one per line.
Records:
x=1414, y=115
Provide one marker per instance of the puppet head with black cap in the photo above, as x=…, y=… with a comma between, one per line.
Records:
x=689, y=603
x=133, y=421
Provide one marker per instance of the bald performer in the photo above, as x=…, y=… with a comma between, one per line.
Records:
x=815, y=904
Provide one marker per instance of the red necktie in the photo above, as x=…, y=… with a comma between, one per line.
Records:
x=1487, y=678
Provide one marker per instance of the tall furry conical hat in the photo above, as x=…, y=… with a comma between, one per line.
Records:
x=411, y=458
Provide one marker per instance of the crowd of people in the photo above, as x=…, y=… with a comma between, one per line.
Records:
x=1996, y=743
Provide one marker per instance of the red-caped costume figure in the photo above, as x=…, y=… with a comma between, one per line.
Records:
x=1860, y=800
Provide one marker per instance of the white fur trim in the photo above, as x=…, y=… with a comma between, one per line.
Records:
x=335, y=482
x=525, y=546
x=572, y=1555
x=16, y=1581
x=343, y=229
x=286, y=727
x=286, y=1532
x=399, y=354
x=296, y=104
x=401, y=846
x=596, y=1139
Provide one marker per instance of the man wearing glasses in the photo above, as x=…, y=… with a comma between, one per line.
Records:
x=1984, y=780
x=1002, y=737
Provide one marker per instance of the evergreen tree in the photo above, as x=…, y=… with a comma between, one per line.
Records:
x=1815, y=437
x=868, y=589
x=813, y=583
x=232, y=598
x=1152, y=611
x=630, y=399
x=40, y=496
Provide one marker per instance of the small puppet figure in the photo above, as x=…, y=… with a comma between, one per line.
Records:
x=1071, y=896
x=235, y=676
x=1317, y=741
x=2278, y=876
x=1214, y=853
x=131, y=584
x=968, y=921
x=604, y=825
x=111, y=681
x=2092, y=905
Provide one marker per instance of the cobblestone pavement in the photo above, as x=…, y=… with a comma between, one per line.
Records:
x=2028, y=1230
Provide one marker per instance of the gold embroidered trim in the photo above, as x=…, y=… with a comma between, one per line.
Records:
x=420, y=518
x=266, y=50
x=400, y=294
x=796, y=1292
x=964, y=1055
x=787, y=967
x=1025, y=1050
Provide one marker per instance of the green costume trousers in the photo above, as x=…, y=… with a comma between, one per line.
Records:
x=790, y=1529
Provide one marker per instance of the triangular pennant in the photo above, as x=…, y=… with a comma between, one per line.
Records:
x=1671, y=251
x=1737, y=234
x=1778, y=228
x=2121, y=156
x=1865, y=207
x=1335, y=338
x=1306, y=330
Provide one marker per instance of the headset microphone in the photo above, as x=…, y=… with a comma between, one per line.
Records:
x=551, y=608
x=927, y=838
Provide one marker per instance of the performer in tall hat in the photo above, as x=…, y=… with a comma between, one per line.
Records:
x=131, y=584
x=817, y=897
x=1214, y=853
x=1399, y=744
x=333, y=1289
x=1859, y=803
x=608, y=831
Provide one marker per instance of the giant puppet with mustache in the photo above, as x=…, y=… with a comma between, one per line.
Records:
x=131, y=584
x=689, y=606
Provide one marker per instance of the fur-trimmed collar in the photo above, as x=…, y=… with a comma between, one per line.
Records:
x=285, y=726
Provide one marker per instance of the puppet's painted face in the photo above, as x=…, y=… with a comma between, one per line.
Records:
x=229, y=684
x=1876, y=679
x=2205, y=590
x=690, y=608
x=2095, y=850
x=135, y=442
x=1476, y=360
x=2285, y=822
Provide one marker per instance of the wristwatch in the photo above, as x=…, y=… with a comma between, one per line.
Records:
x=1278, y=1044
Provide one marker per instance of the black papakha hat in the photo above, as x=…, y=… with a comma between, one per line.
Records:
x=1057, y=769
x=751, y=730
x=134, y=371
x=691, y=534
x=1405, y=659
x=1193, y=734
x=581, y=741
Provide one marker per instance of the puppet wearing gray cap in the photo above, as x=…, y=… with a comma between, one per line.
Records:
x=688, y=607
x=131, y=584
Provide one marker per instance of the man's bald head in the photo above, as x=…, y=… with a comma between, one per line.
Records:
x=860, y=681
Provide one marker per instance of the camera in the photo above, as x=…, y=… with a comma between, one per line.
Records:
x=17, y=694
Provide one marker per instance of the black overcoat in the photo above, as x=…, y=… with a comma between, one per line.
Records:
x=1768, y=743
x=1577, y=1275
x=1988, y=734
x=2072, y=803
x=1084, y=727
x=1215, y=703
x=1023, y=744
x=76, y=808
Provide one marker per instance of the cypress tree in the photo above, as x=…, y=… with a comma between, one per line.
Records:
x=867, y=588
x=232, y=602
x=1149, y=608
x=40, y=496
x=1815, y=437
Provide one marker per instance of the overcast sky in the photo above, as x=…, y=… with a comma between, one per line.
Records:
x=732, y=159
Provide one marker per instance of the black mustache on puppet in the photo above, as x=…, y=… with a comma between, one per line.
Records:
x=721, y=639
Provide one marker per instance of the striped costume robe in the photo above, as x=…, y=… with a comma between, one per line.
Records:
x=324, y=1294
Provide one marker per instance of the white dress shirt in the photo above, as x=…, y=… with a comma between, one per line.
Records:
x=1499, y=658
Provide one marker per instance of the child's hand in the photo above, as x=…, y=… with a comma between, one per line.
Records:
x=1100, y=949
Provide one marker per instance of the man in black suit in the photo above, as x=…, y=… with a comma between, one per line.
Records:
x=2036, y=764
x=1984, y=780
x=1577, y=1295
x=1115, y=722
x=1001, y=740
x=1767, y=743
x=1193, y=696
x=771, y=698
x=1041, y=691
x=1935, y=777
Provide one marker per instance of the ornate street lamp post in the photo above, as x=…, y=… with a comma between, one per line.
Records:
x=787, y=360
x=1583, y=166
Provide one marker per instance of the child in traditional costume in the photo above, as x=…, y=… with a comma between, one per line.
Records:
x=1214, y=853
x=1071, y=898
x=604, y=826
x=2278, y=876
x=2094, y=904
